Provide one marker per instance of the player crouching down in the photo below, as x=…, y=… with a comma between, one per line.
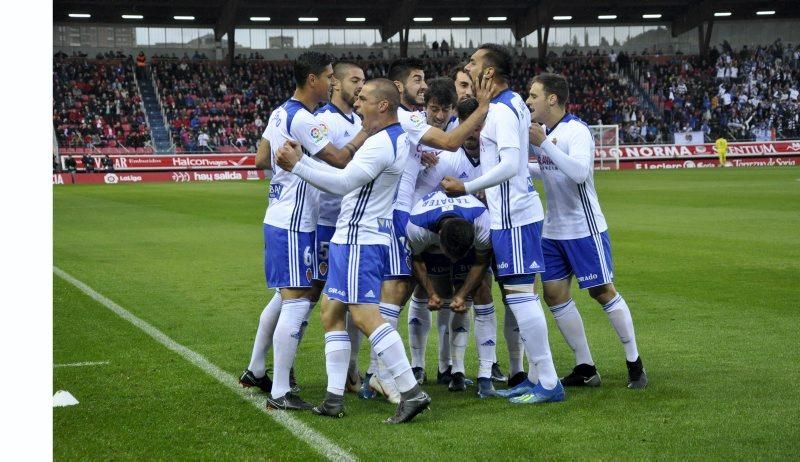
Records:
x=451, y=243
x=360, y=246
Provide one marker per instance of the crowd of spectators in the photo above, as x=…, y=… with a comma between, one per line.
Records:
x=747, y=94
x=96, y=105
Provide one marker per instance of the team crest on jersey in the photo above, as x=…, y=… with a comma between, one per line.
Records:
x=417, y=120
x=309, y=274
x=277, y=120
x=554, y=140
x=323, y=268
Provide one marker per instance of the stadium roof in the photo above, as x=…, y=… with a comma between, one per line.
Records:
x=390, y=16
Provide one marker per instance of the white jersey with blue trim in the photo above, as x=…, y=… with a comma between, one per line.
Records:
x=341, y=130
x=451, y=163
x=366, y=214
x=422, y=230
x=514, y=202
x=573, y=210
x=414, y=123
x=452, y=124
x=292, y=201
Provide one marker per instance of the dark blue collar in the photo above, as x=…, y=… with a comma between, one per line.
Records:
x=550, y=130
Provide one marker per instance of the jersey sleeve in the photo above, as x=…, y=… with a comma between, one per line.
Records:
x=309, y=132
x=373, y=157
x=416, y=126
x=418, y=238
x=506, y=128
x=483, y=238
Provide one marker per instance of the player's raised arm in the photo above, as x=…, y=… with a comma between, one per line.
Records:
x=450, y=141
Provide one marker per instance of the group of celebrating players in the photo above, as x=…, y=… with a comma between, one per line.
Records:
x=400, y=189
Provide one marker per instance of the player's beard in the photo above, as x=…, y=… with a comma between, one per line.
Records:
x=348, y=98
x=409, y=98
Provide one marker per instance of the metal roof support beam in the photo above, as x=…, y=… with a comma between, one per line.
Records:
x=694, y=16
x=398, y=19
x=227, y=19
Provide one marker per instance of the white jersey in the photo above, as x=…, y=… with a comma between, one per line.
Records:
x=456, y=164
x=423, y=226
x=573, y=210
x=415, y=125
x=452, y=124
x=341, y=130
x=366, y=214
x=293, y=203
x=514, y=202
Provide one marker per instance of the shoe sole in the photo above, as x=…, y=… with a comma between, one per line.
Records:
x=325, y=414
x=554, y=399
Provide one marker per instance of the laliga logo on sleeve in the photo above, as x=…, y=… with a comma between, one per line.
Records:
x=416, y=120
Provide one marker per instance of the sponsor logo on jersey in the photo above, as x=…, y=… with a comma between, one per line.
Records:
x=275, y=190
x=385, y=225
x=463, y=175
x=346, y=133
x=335, y=291
x=534, y=265
x=589, y=277
x=370, y=294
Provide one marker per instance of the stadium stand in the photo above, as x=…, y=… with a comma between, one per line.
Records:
x=97, y=107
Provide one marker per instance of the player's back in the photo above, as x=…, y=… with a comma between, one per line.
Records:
x=366, y=214
x=292, y=201
x=514, y=202
x=426, y=214
x=573, y=210
x=341, y=130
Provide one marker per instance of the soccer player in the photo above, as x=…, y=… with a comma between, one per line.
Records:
x=465, y=165
x=464, y=91
x=290, y=224
x=359, y=248
x=409, y=78
x=450, y=238
x=343, y=125
x=516, y=213
x=575, y=236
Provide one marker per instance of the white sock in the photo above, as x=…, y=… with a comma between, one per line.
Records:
x=419, y=324
x=355, y=340
x=569, y=322
x=511, y=333
x=533, y=330
x=620, y=316
x=337, y=355
x=459, y=337
x=390, y=314
x=304, y=326
x=389, y=347
x=263, y=341
x=285, y=341
x=486, y=338
x=443, y=326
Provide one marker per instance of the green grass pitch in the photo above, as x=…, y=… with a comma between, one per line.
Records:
x=708, y=261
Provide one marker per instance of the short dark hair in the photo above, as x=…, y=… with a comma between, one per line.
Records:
x=554, y=84
x=385, y=89
x=340, y=67
x=401, y=68
x=456, y=236
x=466, y=107
x=459, y=68
x=442, y=90
x=309, y=63
x=498, y=57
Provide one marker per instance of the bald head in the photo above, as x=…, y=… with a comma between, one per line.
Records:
x=385, y=90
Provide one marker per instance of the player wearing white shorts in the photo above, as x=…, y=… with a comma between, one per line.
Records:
x=575, y=237
x=409, y=78
x=290, y=227
x=359, y=248
x=517, y=214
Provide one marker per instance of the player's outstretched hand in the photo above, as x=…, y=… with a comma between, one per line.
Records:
x=458, y=304
x=429, y=159
x=484, y=90
x=537, y=134
x=289, y=155
x=453, y=186
x=434, y=302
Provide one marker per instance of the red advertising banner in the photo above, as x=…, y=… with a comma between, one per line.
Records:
x=661, y=151
x=186, y=162
x=161, y=177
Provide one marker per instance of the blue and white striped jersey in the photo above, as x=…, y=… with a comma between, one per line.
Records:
x=293, y=203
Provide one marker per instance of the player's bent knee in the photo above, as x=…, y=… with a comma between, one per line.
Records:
x=603, y=294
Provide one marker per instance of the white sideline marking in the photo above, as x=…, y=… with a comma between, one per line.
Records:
x=318, y=442
x=88, y=363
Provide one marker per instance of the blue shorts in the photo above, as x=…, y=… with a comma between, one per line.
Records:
x=438, y=264
x=518, y=251
x=289, y=257
x=588, y=258
x=399, y=252
x=324, y=235
x=356, y=272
